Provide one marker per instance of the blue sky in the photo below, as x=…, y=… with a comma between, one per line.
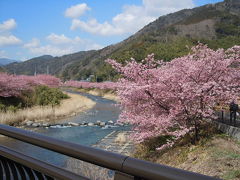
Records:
x=30, y=28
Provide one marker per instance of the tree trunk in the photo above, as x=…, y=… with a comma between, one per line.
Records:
x=196, y=132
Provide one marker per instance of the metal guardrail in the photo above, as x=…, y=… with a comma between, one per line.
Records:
x=226, y=117
x=15, y=165
x=125, y=167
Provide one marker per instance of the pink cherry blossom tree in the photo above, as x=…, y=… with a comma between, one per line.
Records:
x=173, y=98
x=12, y=85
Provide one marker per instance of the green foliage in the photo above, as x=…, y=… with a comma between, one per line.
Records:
x=1, y=69
x=105, y=72
x=227, y=154
x=200, y=15
x=224, y=42
x=10, y=104
x=147, y=149
x=167, y=51
x=234, y=174
x=41, y=95
x=229, y=25
x=12, y=108
x=48, y=96
x=160, y=37
x=2, y=107
x=154, y=143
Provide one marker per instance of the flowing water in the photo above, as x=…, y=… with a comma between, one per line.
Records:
x=104, y=110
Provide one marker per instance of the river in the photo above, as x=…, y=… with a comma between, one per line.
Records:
x=104, y=110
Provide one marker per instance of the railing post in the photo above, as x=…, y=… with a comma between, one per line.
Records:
x=222, y=116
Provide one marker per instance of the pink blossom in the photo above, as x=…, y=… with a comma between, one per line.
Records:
x=12, y=85
x=158, y=97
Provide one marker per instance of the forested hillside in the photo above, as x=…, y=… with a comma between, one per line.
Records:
x=170, y=36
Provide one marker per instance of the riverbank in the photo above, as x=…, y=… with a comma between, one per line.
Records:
x=107, y=94
x=217, y=156
x=117, y=142
x=68, y=107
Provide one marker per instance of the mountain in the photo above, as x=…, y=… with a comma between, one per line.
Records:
x=4, y=61
x=46, y=64
x=170, y=36
x=1, y=69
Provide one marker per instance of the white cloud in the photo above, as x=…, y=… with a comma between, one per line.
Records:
x=6, y=38
x=161, y=7
x=77, y=10
x=94, y=27
x=33, y=43
x=9, y=40
x=76, y=42
x=132, y=17
x=58, y=39
x=60, y=45
x=3, y=54
x=8, y=25
x=50, y=50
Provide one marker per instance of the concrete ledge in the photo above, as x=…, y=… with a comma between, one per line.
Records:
x=230, y=130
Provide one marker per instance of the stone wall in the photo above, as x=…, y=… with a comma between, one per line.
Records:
x=230, y=130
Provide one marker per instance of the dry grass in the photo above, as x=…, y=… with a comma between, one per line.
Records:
x=121, y=138
x=88, y=170
x=68, y=107
x=218, y=156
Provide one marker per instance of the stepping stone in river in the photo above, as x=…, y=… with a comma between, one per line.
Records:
x=90, y=124
x=29, y=123
x=36, y=124
x=102, y=124
x=73, y=124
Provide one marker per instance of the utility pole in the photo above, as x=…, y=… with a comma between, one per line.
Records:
x=62, y=64
x=167, y=36
x=14, y=69
x=35, y=73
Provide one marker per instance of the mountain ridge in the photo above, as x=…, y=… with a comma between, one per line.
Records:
x=169, y=36
x=5, y=61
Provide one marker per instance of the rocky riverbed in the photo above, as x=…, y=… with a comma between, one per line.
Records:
x=108, y=124
x=94, y=127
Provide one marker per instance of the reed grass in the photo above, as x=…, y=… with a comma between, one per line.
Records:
x=68, y=107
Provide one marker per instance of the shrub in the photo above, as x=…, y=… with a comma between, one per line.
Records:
x=48, y=96
x=2, y=107
x=12, y=108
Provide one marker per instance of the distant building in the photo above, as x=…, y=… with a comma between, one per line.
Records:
x=90, y=78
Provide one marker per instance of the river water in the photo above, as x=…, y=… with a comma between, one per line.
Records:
x=104, y=110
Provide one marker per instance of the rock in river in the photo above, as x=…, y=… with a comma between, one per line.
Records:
x=73, y=124
x=102, y=124
x=90, y=124
x=29, y=123
x=36, y=124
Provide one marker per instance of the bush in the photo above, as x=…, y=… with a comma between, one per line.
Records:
x=12, y=108
x=2, y=107
x=40, y=95
x=147, y=149
x=10, y=103
x=48, y=96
